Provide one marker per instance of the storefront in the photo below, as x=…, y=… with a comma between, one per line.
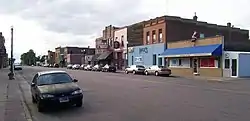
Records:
x=146, y=55
x=236, y=64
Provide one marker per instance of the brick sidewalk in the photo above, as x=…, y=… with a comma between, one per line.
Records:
x=11, y=105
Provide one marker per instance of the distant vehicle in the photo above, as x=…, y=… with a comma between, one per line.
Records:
x=56, y=65
x=88, y=68
x=46, y=65
x=108, y=68
x=50, y=65
x=135, y=69
x=69, y=66
x=157, y=70
x=97, y=68
x=51, y=88
x=18, y=67
x=82, y=66
x=76, y=66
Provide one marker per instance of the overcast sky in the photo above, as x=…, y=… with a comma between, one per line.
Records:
x=45, y=24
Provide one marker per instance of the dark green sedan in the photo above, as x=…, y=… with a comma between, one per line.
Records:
x=52, y=88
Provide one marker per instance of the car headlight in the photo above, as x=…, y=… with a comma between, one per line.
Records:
x=77, y=92
x=46, y=96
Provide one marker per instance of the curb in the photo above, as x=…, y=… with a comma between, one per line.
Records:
x=26, y=109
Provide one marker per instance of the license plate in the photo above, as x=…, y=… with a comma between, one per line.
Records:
x=64, y=99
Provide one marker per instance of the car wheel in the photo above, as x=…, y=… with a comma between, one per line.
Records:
x=33, y=100
x=79, y=104
x=146, y=72
x=126, y=72
x=40, y=108
x=156, y=73
x=134, y=72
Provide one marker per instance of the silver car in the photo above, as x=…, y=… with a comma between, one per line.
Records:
x=135, y=69
x=157, y=70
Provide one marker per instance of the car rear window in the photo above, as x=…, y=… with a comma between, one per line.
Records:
x=139, y=66
x=161, y=66
x=55, y=78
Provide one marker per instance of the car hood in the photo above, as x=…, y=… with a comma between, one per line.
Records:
x=58, y=88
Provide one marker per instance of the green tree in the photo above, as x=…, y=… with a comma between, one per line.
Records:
x=29, y=58
x=42, y=59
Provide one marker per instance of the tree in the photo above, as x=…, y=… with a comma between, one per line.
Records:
x=42, y=59
x=29, y=58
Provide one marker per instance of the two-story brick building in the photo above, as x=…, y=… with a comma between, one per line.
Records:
x=51, y=57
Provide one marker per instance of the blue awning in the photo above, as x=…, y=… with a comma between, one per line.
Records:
x=208, y=50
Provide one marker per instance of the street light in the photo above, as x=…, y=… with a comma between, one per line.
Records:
x=84, y=52
x=127, y=53
x=11, y=74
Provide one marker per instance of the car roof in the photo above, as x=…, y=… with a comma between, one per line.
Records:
x=50, y=72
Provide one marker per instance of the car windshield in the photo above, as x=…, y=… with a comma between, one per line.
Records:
x=55, y=78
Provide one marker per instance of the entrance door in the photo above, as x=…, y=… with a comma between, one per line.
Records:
x=234, y=67
x=195, y=65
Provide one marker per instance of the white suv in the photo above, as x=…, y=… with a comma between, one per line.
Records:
x=135, y=69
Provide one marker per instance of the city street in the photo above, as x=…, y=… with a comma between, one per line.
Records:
x=127, y=97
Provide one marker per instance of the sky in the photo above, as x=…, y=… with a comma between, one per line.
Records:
x=43, y=25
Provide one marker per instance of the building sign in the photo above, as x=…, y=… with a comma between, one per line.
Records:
x=143, y=50
x=227, y=55
x=138, y=59
x=116, y=45
x=130, y=49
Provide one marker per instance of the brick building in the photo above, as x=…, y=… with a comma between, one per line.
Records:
x=3, y=53
x=171, y=28
x=51, y=57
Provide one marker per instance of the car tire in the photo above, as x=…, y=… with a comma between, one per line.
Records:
x=134, y=72
x=126, y=72
x=79, y=104
x=34, y=100
x=146, y=73
x=156, y=73
x=40, y=108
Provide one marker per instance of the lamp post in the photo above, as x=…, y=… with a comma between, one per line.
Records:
x=11, y=74
x=84, y=52
x=127, y=53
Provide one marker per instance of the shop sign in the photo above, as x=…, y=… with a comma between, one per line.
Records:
x=130, y=49
x=138, y=59
x=143, y=50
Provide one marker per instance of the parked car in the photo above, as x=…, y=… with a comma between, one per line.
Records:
x=56, y=65
x=51, y=88
x=18, y=67
x=97, y=68
x=157, y=70
x=82, y=66
x=50, y=65
x=69, y=66
x=88, y=68
x=108, y=68
x=76, y=66
x=46, y=65
x=135, y=69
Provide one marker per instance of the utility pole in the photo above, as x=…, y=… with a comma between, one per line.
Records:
x=11, y=74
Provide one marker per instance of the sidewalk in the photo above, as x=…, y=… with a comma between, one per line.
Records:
x=11, y=103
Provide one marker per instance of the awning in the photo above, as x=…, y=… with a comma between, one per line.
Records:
x=94, y=58
x=104, y=56
x=209, y=50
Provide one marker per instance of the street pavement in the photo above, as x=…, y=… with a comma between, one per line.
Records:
x=127, y=97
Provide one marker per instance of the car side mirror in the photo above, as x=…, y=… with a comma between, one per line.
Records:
x=33, y=84
x=75, y=80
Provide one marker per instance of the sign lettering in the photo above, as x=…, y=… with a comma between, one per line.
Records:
x=143, y=50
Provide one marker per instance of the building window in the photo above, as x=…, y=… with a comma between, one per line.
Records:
x=154, y=59
x=132, y=60
x=208, y=62
x=227, y=63
x=181, y=62
x=160, y=61
x=147, y=38
x=122, y=41
x=160, y=35
x=154, y=36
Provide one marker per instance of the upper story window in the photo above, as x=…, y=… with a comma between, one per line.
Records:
x=154, y=36
x=122, y=41
x=160, y=36
x=147, y=38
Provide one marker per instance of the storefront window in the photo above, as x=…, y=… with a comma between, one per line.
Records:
x=154, y=59
x=181, y=62
x=207, y=62
x=160, y=61
x=227, y=63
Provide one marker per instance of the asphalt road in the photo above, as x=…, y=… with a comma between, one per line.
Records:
x=121, y=97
